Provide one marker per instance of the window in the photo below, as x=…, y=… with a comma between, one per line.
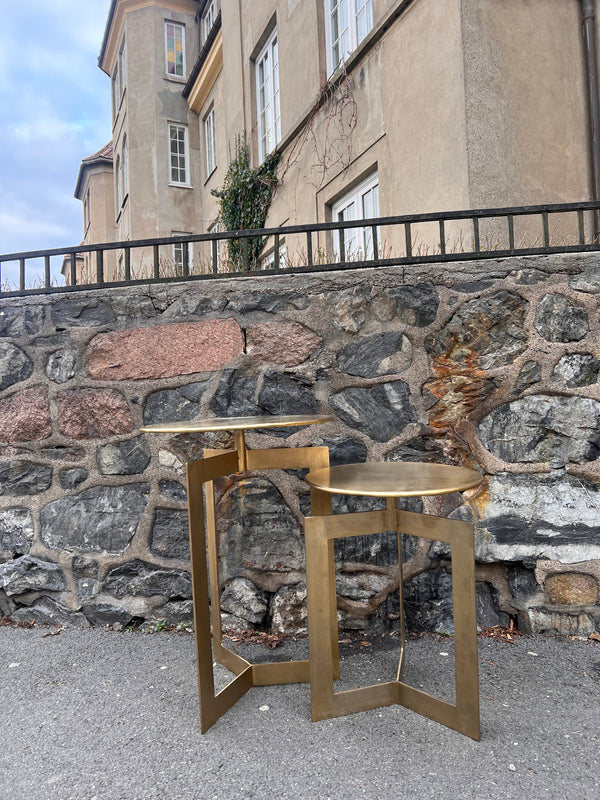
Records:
x=347, y=24
x=268, y=262
x=361, y=203
x=267, y=97
x=119, y=79
x=125, y=169
x=209, y=142
x=178, y=167
x=119, y=179
x=207, y=21
x=175, y=49
x=179, y=253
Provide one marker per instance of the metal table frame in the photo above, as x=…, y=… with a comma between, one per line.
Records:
x=390, y=480
x=203, y=532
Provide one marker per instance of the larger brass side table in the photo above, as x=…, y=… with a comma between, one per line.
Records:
x=391, y=480
x=201, y=475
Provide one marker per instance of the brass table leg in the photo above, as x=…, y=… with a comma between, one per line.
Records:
x=325, y=703
x=201, y=475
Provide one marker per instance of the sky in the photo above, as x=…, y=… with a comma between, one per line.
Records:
x=55, y=110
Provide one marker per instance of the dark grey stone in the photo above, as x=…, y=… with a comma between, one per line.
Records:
x=428, y=602
x=15, y=365
x=529, y=276
x=270, y=303
x=139, y=578
x=29, y=574
x=72, y=478
x=172, y=489
x=470, y=287
x=64, y=453
x=289, y=610
x=344, y=450
x=488, y=329
x=47, y=611
x=138, y=306
x=176, y=612
x=20, y=478
x=257, y=531
x=555, y=429
x=194, y=391
x=286, y=394
x=235, y=396
x=19, y=320
x=168, y=405
x=557, y=319
x=380, y=354
x=530, y=373
x=68, y=312
x=577, y=369
x=61, y=365
x=381, y=411
x=488, y=615
x=424, y=449
x=244, y=600
x=416, y=305
x=522, y=582
x=130, y=457
x=16, y=532
x=103, y=518
x=101, y=612
x=169, y=537
x=587, y=281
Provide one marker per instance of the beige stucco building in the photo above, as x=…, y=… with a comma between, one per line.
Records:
x=378, y=107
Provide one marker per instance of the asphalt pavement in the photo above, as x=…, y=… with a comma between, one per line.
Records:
x=101, y=715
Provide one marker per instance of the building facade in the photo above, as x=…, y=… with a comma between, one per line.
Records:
x=377, y=107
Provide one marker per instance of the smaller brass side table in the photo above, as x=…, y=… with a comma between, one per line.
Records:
x=391, y=480
x=205, y=581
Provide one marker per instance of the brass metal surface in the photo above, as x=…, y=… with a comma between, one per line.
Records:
x=235, y=423
x=205, y=572
x=392, y=479
x=320, y=532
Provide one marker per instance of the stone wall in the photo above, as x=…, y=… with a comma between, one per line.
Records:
x=492, y=364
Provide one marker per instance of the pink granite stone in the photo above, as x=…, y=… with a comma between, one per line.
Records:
x=285, y=343
x=93, y=413
x=165, y=350
x=25, y=416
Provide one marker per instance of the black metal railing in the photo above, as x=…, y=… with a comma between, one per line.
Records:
x=384, y=241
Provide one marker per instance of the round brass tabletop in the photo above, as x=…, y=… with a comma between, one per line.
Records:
x=392, y=479
x=235, y=423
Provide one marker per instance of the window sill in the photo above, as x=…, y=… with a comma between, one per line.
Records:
x=175, y=78
x=210, y=174
x=180, y=185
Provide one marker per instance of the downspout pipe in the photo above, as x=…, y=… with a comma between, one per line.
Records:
x=588, y=21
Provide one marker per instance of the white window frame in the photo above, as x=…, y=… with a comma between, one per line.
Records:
x=210, y=142
x=268, y=261
x=178, y=153
x=125, y=168
x=122, y=69
x=357, y=18
x=119, y=179
x=361, y=202
x=175, y=74
x=208, y=19
x=178, y=251
x=267, y=97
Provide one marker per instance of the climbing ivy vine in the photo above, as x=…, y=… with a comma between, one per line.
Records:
x=244, y=200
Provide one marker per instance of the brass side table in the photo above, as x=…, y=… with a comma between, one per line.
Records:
x=201, y=475
x=391, y=480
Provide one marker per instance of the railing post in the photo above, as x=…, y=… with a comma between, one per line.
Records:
x=408, y=239
x=476, y=243
x=511, y=231
x=341, y=232
x=156, y=261
x=309, y=253
x=73, y=269
x=21, y=274
x=581, y=226
x=276, y=252
x=47, y=277
x=245, y=262
x=186, y=259
x=100, y=266
x=375, y=243
x=546, y=229
x=215, y=256
x=128, y=263
x=442, y=237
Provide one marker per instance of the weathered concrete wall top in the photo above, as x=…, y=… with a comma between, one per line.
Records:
x=492, y=364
